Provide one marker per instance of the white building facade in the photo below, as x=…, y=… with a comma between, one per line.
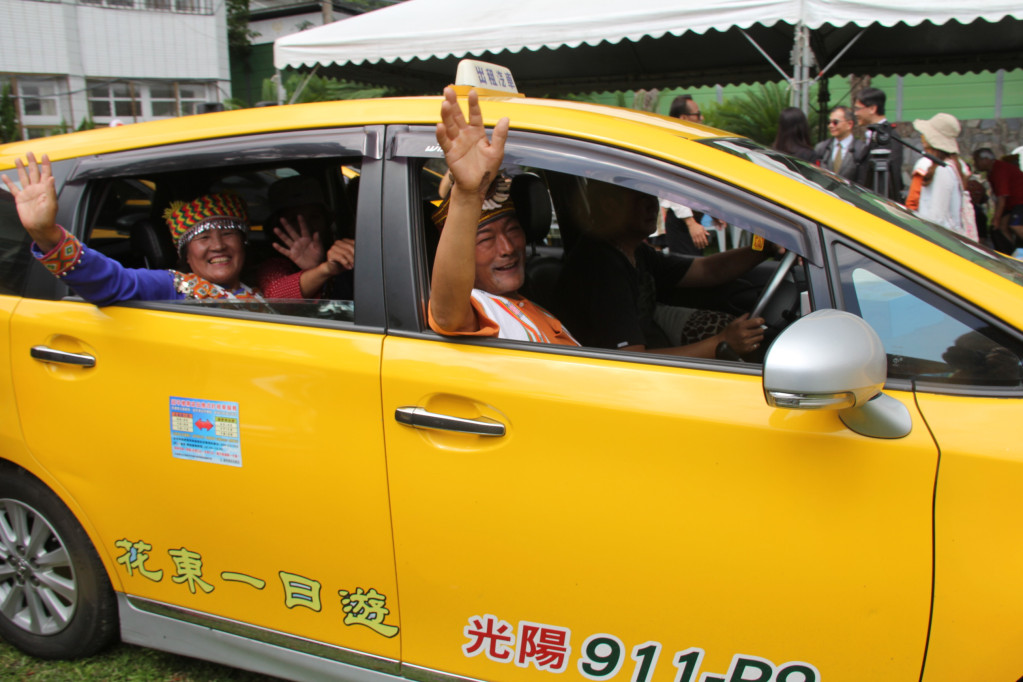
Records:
x=68, y=61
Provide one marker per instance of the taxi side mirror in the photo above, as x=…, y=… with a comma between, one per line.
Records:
x=834, y=360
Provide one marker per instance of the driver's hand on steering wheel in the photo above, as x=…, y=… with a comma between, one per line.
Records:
x=744, y=335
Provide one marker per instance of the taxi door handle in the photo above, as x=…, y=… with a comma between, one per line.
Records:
x=63, y=357
x=422, y=419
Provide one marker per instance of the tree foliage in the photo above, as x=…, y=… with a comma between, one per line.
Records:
x=754, y=114
x=8, y=117
x=239, y=36
x=369, y=5
x=320, y=89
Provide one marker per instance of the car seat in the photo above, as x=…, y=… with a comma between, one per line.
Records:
x=151, y=240
x=533, y=209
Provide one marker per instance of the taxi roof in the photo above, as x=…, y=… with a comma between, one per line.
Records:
x=574, y=119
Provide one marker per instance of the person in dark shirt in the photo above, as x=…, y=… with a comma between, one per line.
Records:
x=614, y=289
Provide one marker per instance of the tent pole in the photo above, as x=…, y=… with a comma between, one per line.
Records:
x=800, y=63
x=294, y=98
x=788, y=79
x=278, y=81
x=839, y=55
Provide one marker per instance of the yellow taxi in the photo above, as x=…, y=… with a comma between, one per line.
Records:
x=326, y=489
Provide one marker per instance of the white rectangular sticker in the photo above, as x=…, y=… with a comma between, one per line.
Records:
x=206, y=431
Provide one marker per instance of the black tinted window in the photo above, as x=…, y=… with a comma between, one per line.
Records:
x=14, y=244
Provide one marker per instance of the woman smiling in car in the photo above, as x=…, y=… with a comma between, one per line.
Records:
x=209, y=233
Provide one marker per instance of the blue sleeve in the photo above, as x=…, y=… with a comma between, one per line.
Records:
x=103, y=281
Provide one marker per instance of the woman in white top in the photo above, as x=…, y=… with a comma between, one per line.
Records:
x=936, y=191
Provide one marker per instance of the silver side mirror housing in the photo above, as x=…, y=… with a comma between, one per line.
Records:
x=834, y=360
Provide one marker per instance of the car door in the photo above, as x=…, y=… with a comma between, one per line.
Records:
x=231, y=459
x=14, y=245
x=638, y=516
x=965, y=364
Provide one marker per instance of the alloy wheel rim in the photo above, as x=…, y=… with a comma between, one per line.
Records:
x=38, y=586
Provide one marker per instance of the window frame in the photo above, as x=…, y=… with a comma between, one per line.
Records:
x=833, y=240
x=77, y=200
x=407, y=301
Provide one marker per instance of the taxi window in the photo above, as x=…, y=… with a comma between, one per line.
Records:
x=14, y=246
x=124, y=221
x=927, y=338
x=569, y=252
x=121, y=203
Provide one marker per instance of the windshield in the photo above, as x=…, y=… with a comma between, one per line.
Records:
x=808, y=174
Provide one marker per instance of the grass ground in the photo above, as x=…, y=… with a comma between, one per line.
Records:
x=121, y=663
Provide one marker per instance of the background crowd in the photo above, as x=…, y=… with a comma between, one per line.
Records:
x=982, y=201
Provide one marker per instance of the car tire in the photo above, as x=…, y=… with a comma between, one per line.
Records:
x=56, y=601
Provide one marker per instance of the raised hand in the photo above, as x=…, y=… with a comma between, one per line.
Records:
x=303, y=248
x=472, y=159
x=36, y=201
x=342, y=252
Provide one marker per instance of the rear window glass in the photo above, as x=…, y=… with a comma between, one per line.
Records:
x=14, y=247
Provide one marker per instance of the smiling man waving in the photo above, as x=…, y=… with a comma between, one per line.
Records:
x=481, y=256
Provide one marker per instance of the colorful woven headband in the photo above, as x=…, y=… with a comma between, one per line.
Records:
x=208, y=212
x=497, y=204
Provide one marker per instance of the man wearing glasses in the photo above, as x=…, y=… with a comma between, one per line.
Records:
x=869, y=109
x=685, y=108
x=684, y=233
x=841, y=153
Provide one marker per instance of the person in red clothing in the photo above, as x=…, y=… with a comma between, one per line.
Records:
x=311, y=267
x=1006, y=182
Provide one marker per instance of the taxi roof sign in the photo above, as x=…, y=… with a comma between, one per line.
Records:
x=487, y=79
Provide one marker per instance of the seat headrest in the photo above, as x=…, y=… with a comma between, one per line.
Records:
x=532, y=206
x=152, y=240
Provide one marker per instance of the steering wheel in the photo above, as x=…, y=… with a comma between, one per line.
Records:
x=724, y=352
x=772, y=286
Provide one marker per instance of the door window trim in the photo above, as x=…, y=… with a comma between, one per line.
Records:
x=264, y=148
x=407, y=300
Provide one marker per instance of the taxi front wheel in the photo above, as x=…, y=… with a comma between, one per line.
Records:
x=55, y=597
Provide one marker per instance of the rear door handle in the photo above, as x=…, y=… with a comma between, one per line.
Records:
x=419, y=418
x=63, y=357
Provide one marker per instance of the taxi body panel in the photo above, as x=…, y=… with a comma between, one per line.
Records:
x=642, y=515
x=977, y=548
x=589, y=487
x=254, y=519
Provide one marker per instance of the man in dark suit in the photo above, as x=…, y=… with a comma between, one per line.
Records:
x=869, y=109
x=840, y=152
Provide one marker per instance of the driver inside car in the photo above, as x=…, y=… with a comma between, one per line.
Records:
x=614, y=289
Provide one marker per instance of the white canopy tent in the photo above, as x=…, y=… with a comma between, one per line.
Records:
x=563, y=46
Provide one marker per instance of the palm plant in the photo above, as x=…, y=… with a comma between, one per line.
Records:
x=755, y=113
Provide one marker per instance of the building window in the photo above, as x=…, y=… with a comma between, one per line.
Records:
x=163, y=99
x=38, y=97
x=113, y=100
x=180, y=6
x=192, y=98
x=145, y=100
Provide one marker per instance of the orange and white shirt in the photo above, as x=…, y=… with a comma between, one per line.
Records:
x=517, y=319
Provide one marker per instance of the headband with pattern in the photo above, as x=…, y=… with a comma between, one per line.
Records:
x=208, y=212
x=497, y=204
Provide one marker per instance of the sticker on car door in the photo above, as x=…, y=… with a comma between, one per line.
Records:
x=205, y=431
